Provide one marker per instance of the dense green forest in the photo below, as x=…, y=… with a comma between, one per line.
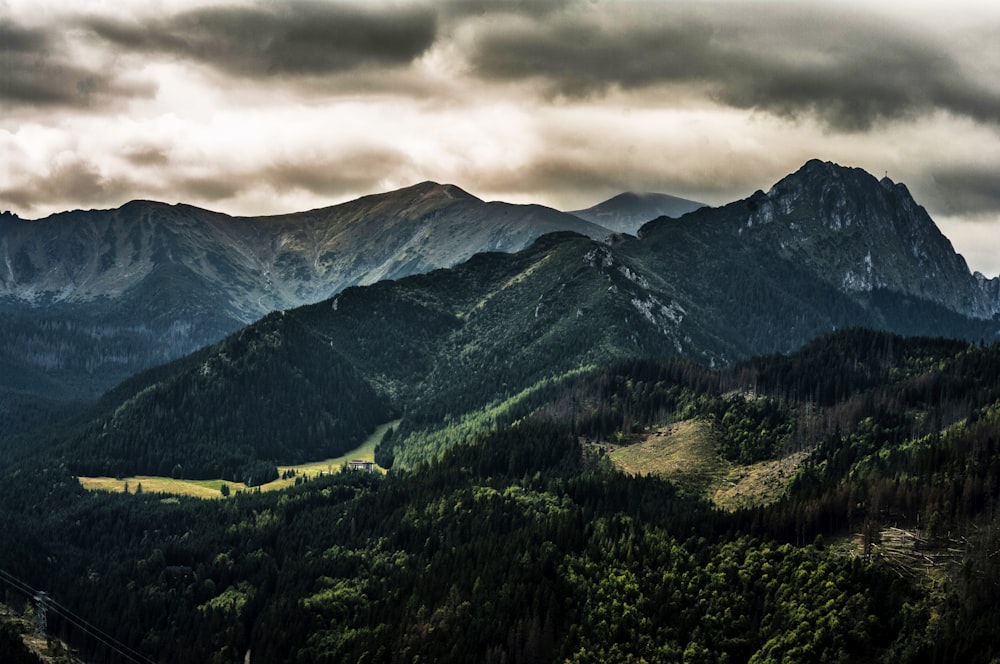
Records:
x=521, y=543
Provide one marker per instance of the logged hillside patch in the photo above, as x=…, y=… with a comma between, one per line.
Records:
x=687, y=453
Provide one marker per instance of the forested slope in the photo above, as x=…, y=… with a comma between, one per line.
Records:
x=524, y=545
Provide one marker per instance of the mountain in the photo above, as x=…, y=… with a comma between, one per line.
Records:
x=458, y=350
x=859, y=234
x=627, y=212
x=90, y=298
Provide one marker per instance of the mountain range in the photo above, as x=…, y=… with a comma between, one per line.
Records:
x=453, y=351
x=90, y=297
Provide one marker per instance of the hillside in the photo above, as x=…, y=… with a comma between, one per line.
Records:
x=524, y=545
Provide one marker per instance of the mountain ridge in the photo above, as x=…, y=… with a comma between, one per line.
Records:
x=204, y=274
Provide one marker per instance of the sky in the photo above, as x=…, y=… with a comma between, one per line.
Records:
x=267, y=107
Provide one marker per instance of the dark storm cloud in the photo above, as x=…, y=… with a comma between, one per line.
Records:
x=348, y=171
x=535, y=8
x=76, y=181
x=298, y=38
x=968, y=189
x=850, y=72
x=37, y=71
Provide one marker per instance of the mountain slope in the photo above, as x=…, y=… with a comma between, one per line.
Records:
x=628, y=211
x=522, y=544
x=92, y=297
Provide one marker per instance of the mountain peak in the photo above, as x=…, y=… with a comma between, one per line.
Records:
x=429, y=189
x=863, y=234
x=629, y=210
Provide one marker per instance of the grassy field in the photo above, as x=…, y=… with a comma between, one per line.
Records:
x=759, y=483
x=212, y=488
x=684, y=451
x=687, y=453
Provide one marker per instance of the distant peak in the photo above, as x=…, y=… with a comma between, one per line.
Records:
x=818, y=163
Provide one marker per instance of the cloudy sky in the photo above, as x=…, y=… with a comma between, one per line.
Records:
x=265, y=107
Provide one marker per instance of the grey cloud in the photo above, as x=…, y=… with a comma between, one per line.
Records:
x=146, y=155
x=76, y=182
x=212, y=187
x=554, y=175
x=535, y=8
x=967, y=190
x=298, y=38
x=22, y=39
x=37, y=71
x=842, y=69
x=358, y=169
x=579, y=57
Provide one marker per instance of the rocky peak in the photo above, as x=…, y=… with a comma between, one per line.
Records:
x=862, y=234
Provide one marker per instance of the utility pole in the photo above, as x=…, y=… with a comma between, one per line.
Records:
x=41, y=619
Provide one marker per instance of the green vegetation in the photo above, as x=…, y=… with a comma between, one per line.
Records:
x=290, y=475
x=522, y=544
x=685, y=452
x=689, y=454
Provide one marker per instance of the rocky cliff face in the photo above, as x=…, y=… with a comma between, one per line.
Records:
x=860, y=235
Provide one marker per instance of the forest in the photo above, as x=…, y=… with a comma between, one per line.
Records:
x=523, y=543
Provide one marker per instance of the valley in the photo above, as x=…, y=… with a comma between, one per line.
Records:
x=212, y=488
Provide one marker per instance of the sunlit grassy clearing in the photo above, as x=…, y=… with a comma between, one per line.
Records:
x=152, y=484
x=212, y=488
x=687, y=453
x=684, y=451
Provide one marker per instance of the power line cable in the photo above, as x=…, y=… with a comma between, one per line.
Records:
x=80, y=623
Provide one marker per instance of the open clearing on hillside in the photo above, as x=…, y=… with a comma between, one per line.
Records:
x=683, y=451
x=212, y=488
x=687, y=453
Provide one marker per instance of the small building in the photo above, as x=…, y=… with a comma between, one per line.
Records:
x=358, y=464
